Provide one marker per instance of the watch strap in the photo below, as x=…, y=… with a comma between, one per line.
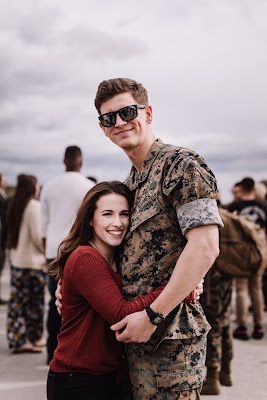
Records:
x=155, y=318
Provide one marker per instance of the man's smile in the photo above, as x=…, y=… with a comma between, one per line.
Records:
x=123, y=132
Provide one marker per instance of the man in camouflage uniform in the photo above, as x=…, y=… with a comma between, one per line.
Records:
x=173, y=238
x=216, y=302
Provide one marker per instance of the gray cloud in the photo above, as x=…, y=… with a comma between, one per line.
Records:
x=203, y=62
x=96, y=43
x=39, y=26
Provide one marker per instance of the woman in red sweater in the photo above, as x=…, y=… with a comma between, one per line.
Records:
x=88, y=359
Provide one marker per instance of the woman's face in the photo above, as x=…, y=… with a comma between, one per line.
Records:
x=111, y=220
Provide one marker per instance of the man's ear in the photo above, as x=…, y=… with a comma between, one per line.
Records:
x=79, y=164
x=149, y=114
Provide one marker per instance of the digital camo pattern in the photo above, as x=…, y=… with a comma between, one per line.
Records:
x=170, y=177
x=216, y=302
x=198, y=213
x=174, y=371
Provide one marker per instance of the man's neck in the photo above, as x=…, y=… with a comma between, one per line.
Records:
x=72, y=170
x=138, y=155
x=248, y=196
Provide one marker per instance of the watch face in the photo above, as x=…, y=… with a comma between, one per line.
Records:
x=158, y=320
x=155, y=318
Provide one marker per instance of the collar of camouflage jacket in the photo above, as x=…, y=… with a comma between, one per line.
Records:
x=136, y=177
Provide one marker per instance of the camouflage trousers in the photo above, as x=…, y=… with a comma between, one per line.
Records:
x=173, y=371
x=219, y=347
x=216, y=303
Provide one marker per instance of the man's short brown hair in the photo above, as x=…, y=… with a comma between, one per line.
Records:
x=110, y=88
x=247, y=185
x=73, y=158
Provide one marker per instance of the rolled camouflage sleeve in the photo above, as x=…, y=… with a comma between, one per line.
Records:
x=194, y=194
x=198, y=213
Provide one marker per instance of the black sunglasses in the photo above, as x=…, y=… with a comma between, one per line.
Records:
x=126, y=114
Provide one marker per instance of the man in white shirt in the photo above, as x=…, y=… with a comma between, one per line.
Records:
x=60, y=200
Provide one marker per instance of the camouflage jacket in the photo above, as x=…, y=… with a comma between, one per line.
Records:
x=174, y=191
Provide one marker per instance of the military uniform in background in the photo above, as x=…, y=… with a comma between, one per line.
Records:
x=216, y=303
x=174, y=191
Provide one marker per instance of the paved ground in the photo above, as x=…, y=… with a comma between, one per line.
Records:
x=23, y=376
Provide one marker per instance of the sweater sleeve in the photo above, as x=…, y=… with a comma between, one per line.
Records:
x=34, y=224
x=92, y=277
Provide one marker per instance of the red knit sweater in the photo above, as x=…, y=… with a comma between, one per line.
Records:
x=92, y=301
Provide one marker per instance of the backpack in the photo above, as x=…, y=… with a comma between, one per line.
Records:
x=243, y=248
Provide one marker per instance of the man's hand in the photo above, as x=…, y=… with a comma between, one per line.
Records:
x=138, y=328
x=58, y=296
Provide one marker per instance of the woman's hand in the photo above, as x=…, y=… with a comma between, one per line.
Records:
x=198, y=291
x=194, y=296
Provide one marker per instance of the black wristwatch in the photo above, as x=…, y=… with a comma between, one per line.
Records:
x=155, y=318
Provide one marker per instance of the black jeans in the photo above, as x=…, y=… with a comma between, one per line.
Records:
x=53, y=320
x=80, y=386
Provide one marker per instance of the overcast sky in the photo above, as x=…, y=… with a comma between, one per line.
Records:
x=203, y=63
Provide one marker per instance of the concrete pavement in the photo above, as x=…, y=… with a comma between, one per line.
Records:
x=23, y=376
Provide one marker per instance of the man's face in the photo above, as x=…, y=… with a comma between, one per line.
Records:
x=126, y=134
x=237, y=192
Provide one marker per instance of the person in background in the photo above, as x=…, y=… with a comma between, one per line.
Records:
x=26, y=304
x=2, y=186
x=260, y=191
x=216, y=303
x=60, y=199
x=264, y=182
x=261, y=194
x=92, y=178
x=3, y=228
x=236, y=190
x=255, y=210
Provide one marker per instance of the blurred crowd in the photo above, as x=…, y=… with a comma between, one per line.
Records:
x=240, y=267
x=32, y=227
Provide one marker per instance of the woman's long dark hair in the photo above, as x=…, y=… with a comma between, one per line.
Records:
x=24, y=192
x=81, y=232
